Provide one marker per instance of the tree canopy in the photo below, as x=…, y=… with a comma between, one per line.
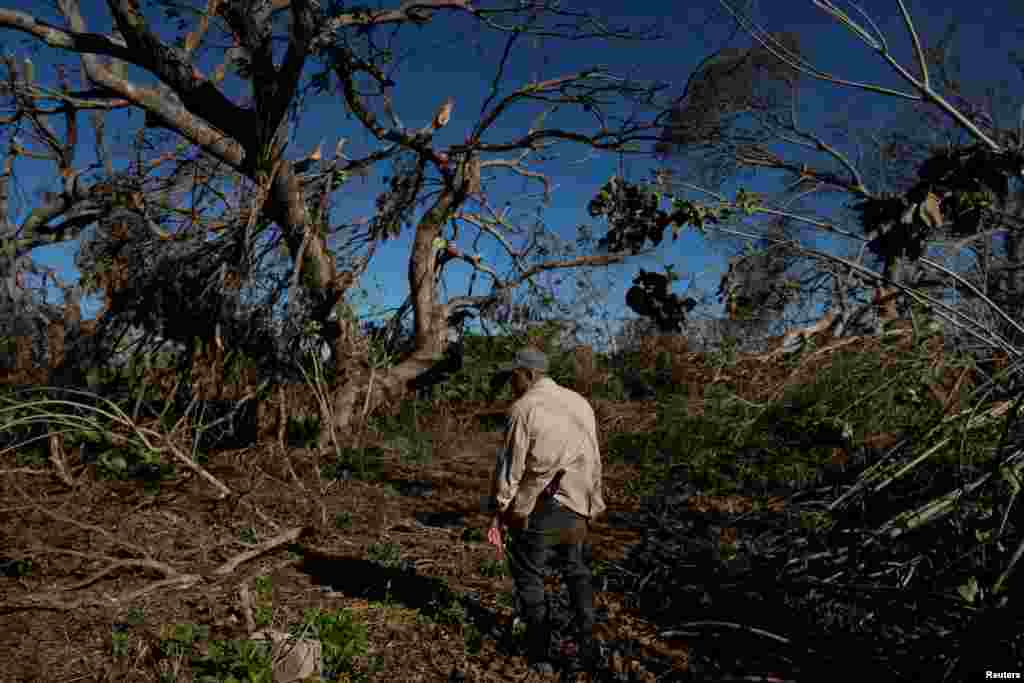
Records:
x=215, y=232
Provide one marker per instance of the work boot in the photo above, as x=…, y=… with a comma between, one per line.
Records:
x=538, y=638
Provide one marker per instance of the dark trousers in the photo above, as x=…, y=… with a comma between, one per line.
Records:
x=552, y=532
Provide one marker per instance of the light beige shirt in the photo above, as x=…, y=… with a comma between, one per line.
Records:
x=550, y=428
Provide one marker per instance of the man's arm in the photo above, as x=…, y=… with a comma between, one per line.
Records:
x=507, y=474
x=510, y=470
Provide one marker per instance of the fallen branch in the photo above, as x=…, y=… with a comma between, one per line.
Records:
x=86, y=527
x=198, y=469
x=289, y=536
x=679, y=631
x=180, y=582
x=115, y=564
x=172, y=578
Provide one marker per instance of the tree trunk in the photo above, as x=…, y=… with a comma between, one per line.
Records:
x=361, y=391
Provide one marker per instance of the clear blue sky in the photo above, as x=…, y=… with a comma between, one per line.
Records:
x=453, y=57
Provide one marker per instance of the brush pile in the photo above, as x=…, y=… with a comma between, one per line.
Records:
x=898, y=572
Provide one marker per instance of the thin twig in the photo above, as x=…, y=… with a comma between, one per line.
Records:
x=675, y=633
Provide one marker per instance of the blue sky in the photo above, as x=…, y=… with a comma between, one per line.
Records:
x=455, y=58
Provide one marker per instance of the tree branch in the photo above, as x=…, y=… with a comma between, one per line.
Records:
x=75, y=41
x=164, y=110
x=173, y=67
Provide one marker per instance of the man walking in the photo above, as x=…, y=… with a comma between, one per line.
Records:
x=546, y=491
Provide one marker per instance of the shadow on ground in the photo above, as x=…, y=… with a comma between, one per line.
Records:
x=434, y=599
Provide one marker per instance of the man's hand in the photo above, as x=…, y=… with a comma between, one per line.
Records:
x=494, y=536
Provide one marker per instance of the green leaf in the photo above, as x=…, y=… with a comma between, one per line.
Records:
x=440, y=243
x=969, y=590
x=1011, y=475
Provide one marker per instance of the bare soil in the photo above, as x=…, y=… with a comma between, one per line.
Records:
x=105, y=551
x=108, y=557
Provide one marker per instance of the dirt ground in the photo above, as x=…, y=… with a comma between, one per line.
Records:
x=107, y=558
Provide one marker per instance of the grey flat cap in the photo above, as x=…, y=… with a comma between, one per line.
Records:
x=528, y=359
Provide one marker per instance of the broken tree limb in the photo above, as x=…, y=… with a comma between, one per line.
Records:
x=289, y=536
x=85, y=526
x=181, y=582
x=114, y=565
x=200, y=470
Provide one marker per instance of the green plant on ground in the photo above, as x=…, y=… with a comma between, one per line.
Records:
x=361, y=463
x=725, y=353
x=443, y=607
x=179, y=640
x=614, y=389
x=263, y=615
x=31, y=457
x=631, y=447
x=227, y=661
x=415, y=450
x=472, y=535
x=16, y=568
x=403, y=422
x=84, y=419
x=518, y=629
x=492, y=568
x=472, y=639
x=303, y=431
x=343, y=520
x=119, y=642
x=793, y=435
x=385, y=554
x=375, y=665
x=452, y=614
x=264, y=585
x=296, y=551
x=646, y=481
x=507, y=599
x=343, y=639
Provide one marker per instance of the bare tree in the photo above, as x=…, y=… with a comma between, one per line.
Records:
x=960, y=190
x=211, y=163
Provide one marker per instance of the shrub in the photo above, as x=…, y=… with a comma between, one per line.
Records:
x=385, y=554
x=343, y=638
x=494, y=568
x=303, y=432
